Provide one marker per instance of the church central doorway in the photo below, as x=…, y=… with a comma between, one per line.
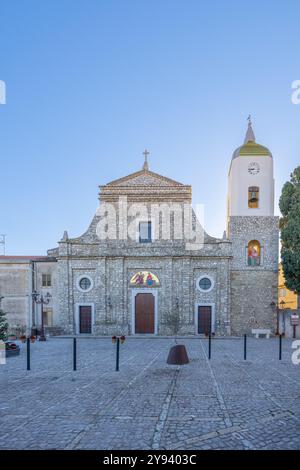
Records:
x=204, y=319
x=85, y=319
x=144, y=314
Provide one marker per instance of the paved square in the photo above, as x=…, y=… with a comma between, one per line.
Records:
x=225, y=403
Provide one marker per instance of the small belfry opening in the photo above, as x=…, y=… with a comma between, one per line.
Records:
x=253, y=197
x=254, y=253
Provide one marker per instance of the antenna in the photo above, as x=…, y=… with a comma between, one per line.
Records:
x=3, y=242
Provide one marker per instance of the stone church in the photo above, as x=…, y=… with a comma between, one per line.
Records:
x=135, y=271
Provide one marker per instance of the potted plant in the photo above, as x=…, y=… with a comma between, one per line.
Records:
x=22, y=338
x=12, y=337
x=32, y=338
x=122, y=339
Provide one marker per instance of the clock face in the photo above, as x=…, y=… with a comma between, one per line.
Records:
x=253, y=168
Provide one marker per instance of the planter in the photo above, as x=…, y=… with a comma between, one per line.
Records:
x=12, y=352
x=178, y=355
x=11, y=349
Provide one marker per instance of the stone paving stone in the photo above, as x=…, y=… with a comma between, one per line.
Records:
x=224, y=403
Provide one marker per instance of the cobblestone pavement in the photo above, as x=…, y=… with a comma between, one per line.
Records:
x=224, y=403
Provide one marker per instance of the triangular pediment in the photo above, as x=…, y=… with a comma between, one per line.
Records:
x=144, y=178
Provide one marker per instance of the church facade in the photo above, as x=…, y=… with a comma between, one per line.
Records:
x=145, y=266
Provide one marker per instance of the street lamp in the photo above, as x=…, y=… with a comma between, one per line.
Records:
x=40, y=299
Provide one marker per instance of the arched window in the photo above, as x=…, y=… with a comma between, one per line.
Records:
x=254, y=252
x=253, y=197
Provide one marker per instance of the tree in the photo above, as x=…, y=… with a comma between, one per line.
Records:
x=3, y=326
x=289, y=205
x=174, y=321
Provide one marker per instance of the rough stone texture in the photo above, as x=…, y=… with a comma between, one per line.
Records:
x=224, y=403
x=253, y=288
x=111, y=264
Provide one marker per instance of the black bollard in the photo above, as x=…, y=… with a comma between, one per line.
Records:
x=28, y=353
x=280, y=347
x=245, y=347
x=74, y=354
x=209, y=346
x=118, y=354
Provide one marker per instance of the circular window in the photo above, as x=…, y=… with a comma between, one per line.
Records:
x=84, y=284
x=205, y=284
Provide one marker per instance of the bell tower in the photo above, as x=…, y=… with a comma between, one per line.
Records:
x=250, y=179
x=253, y=232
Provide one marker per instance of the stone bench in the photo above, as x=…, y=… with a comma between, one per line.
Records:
x=261, y=331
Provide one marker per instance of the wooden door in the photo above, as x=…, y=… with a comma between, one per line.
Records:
x=144, y=314
x=85, y=319
x=204, y=319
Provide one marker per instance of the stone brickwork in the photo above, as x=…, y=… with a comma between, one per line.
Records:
x=111, y=264
x=253, y=288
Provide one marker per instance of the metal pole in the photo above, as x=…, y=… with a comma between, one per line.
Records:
x=118, y=354
x=280, y=347
x=74, y=355
x=209, y=346
x=42, y=336
x=245, y=347
x=294, y=331
x=28, y=353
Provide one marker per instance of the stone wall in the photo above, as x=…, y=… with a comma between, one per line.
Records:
x=112, y=298
x=110, y=263
x=253, y=288
x=251, y=296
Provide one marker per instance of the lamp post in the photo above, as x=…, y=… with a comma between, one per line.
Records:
x=40, y=299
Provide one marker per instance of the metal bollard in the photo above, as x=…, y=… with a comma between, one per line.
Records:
x=209, y=346
x=118, y=355
x=74, y=354
x=28, y=353
x=245, y=347
x=280, y=347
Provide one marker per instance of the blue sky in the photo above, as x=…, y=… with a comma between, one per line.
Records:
x=90, y=84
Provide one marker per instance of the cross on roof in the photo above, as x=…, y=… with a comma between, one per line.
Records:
x=145, y=166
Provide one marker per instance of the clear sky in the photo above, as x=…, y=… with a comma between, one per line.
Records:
x=91, y=83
